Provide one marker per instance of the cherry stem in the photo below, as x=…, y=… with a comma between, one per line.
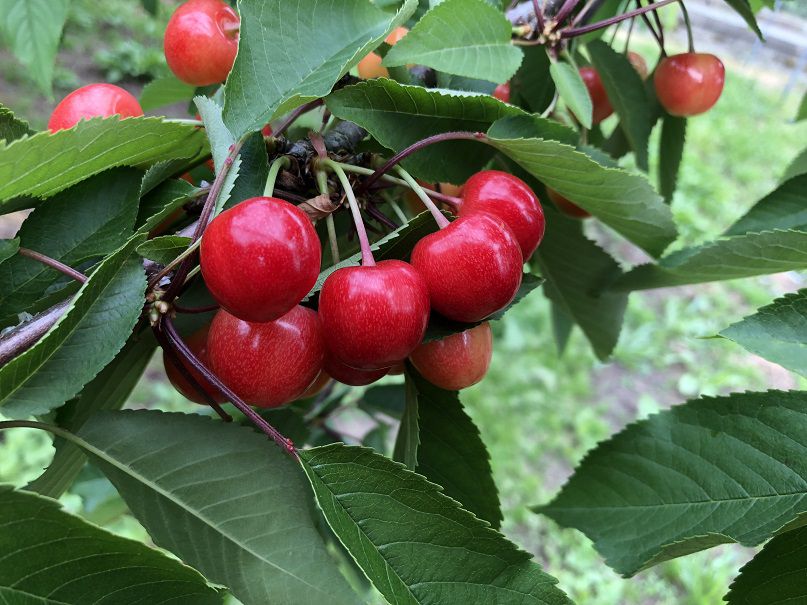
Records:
x=292, y=116
x=442, y=221
x=186, y=354
x=367, y=259
x=690, y=37
x=539, y=16
x=564, y=11
x=437, y=138
x=579, y=31
x=53, y=264
x=322, y=183
x=452, y=201
x=657, y=34
x=274, y=169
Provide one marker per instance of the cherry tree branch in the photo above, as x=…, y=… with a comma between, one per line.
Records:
x=53, y=264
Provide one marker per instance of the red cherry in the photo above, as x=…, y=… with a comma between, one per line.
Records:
x=639, y=64
x=599, y=98
x=457, y=361
x=260, y=258
x=317, y=386
x=93, y=101
x=267, y=364
x=565, y=206
x=690, y=83
x=351, y=376
x=374, y=316
x=472, y=267
x=267, y=130
x=502, y=92
x=197, y=343
x=509, y=198
x=201, y=41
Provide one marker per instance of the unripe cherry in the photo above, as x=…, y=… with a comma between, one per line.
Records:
x=502, y=92
x=197, y=343
x=93, y=101
x=370, y=66
x=690, y=83
x=639, y=64
x=456, y=361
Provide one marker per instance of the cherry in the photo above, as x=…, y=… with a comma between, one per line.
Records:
x=451, y=189
x=639, y=64
x=197, y=343
x=502, y=92
x=565, y=206
x=457, y=361
x=690, y=83
x=317, y=386
x=599, y=98
x=472, y=267
x=201, y=41
x=350, y=376
x=93, y=101
x=267, y=364
x=509, y=198
x=260, y=258
x=370, y=66
x=267, y=130
x=375, y=315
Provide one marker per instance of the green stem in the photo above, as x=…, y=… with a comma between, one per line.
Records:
x=367, y=259
x=322, y=183
x=690, y=37
x=442, y=221
x=274, y=169
x=397, y=210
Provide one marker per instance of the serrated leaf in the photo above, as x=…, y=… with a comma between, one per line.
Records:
x=53, y=558
x=164, y=249
x=625, y=202
x=161, y=202
x=777, y=332
x=8, y=248
x=221, y=139
x=253, y=170
x=415, y=544
x=743, y=8
x=562, y=326
x=389, y=399
x=532, y=86
x=451, y=452
x=626, y=93
x=671, y=152
x=264, y=82
x=468, y=38
x=165, y=91
x=221, y=497
x=12, y=127
x=776, y=575
x=86, y=222
x=730, y=258
x=86, y=338
x=783, y=208
x=407, y=440
x=44, y=164
x=709, y=472
x=572, y=91
x=797, y=167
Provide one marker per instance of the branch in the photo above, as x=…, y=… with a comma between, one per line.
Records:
x=345, y=136
x=579, y=31
x=53, y=264
x=22, y=337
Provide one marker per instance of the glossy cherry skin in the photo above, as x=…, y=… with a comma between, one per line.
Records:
x=317, y=386
x=267, y=364
x=370, y=66
x=502, y=92
x=457, y=361
x=565, y=206
x=599, y=98
x=260, y=258
x=509, y=198
x=639, y=64
x=197, y=343
x=93, y=101
x=201, y=41
x=351, y=376
x=472, y=267
x=690, y=83
x=374, y=316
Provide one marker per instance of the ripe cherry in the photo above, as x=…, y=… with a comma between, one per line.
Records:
x=457, y=361
x=690, y=83
x=93, y=101
x=317, y=386
x=267, y=364
x=599, y=98
x=197, y=343
x=509, y=198
x=374, y=316
x=201, y=41
x=370, y=66
x=502, y=92
x=639, y=64
x=351, y=376
x=472, y=267
x=565, y=206
x=260, y=258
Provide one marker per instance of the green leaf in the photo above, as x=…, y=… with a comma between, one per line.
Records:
x=709, y=472
x=776, y=575
x=574, y=282
x=264, y=82
x=11, y=127
x=8, y=248
x=415, y=544
x=783, y=208
x=389, y=399
x=572, y=91
x=801, y=114
x=164, y=249
x=152, y=7
x=222, y=498
x=464, y=37
x=86, y=338
x=625, y=202
x=165, y=91
x=744, y=9
x=777, y=332
x=53, y=558
x=252, y=172
x=221, y=139
x=671, y=152
x=797, y=167
x=33, y=29
x=626, y=93
x=408, y=438
x=532, y=86
x=451, y=451
x=562, y=326
x=44, y=164
x=730, y=258
x=86, y=222
x=161, y=202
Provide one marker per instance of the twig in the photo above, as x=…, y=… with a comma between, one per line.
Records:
x=53, y=264
x=22, y=337
x=579, y=31
x=292, y=116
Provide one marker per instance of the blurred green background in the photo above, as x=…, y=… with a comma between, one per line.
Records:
x=538, y=412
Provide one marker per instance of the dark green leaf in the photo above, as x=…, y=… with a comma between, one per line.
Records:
x=164, y=249
x=476, y=44
x=783, y=208
x=671, y=152
x=389, y=399
x=745, y=11
x=572, y=91
x=801, y=114
x=8, y=248
x=532, y=86
x=712, y=471
x=165, y=91
x=11, y=127
x=161, y=202
x=253, y=170
x=52, y=558
x=264, y=82
x=86, y=338
x=408, y=438
x=562, y=326
x=415, y=544
x=151, y=6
